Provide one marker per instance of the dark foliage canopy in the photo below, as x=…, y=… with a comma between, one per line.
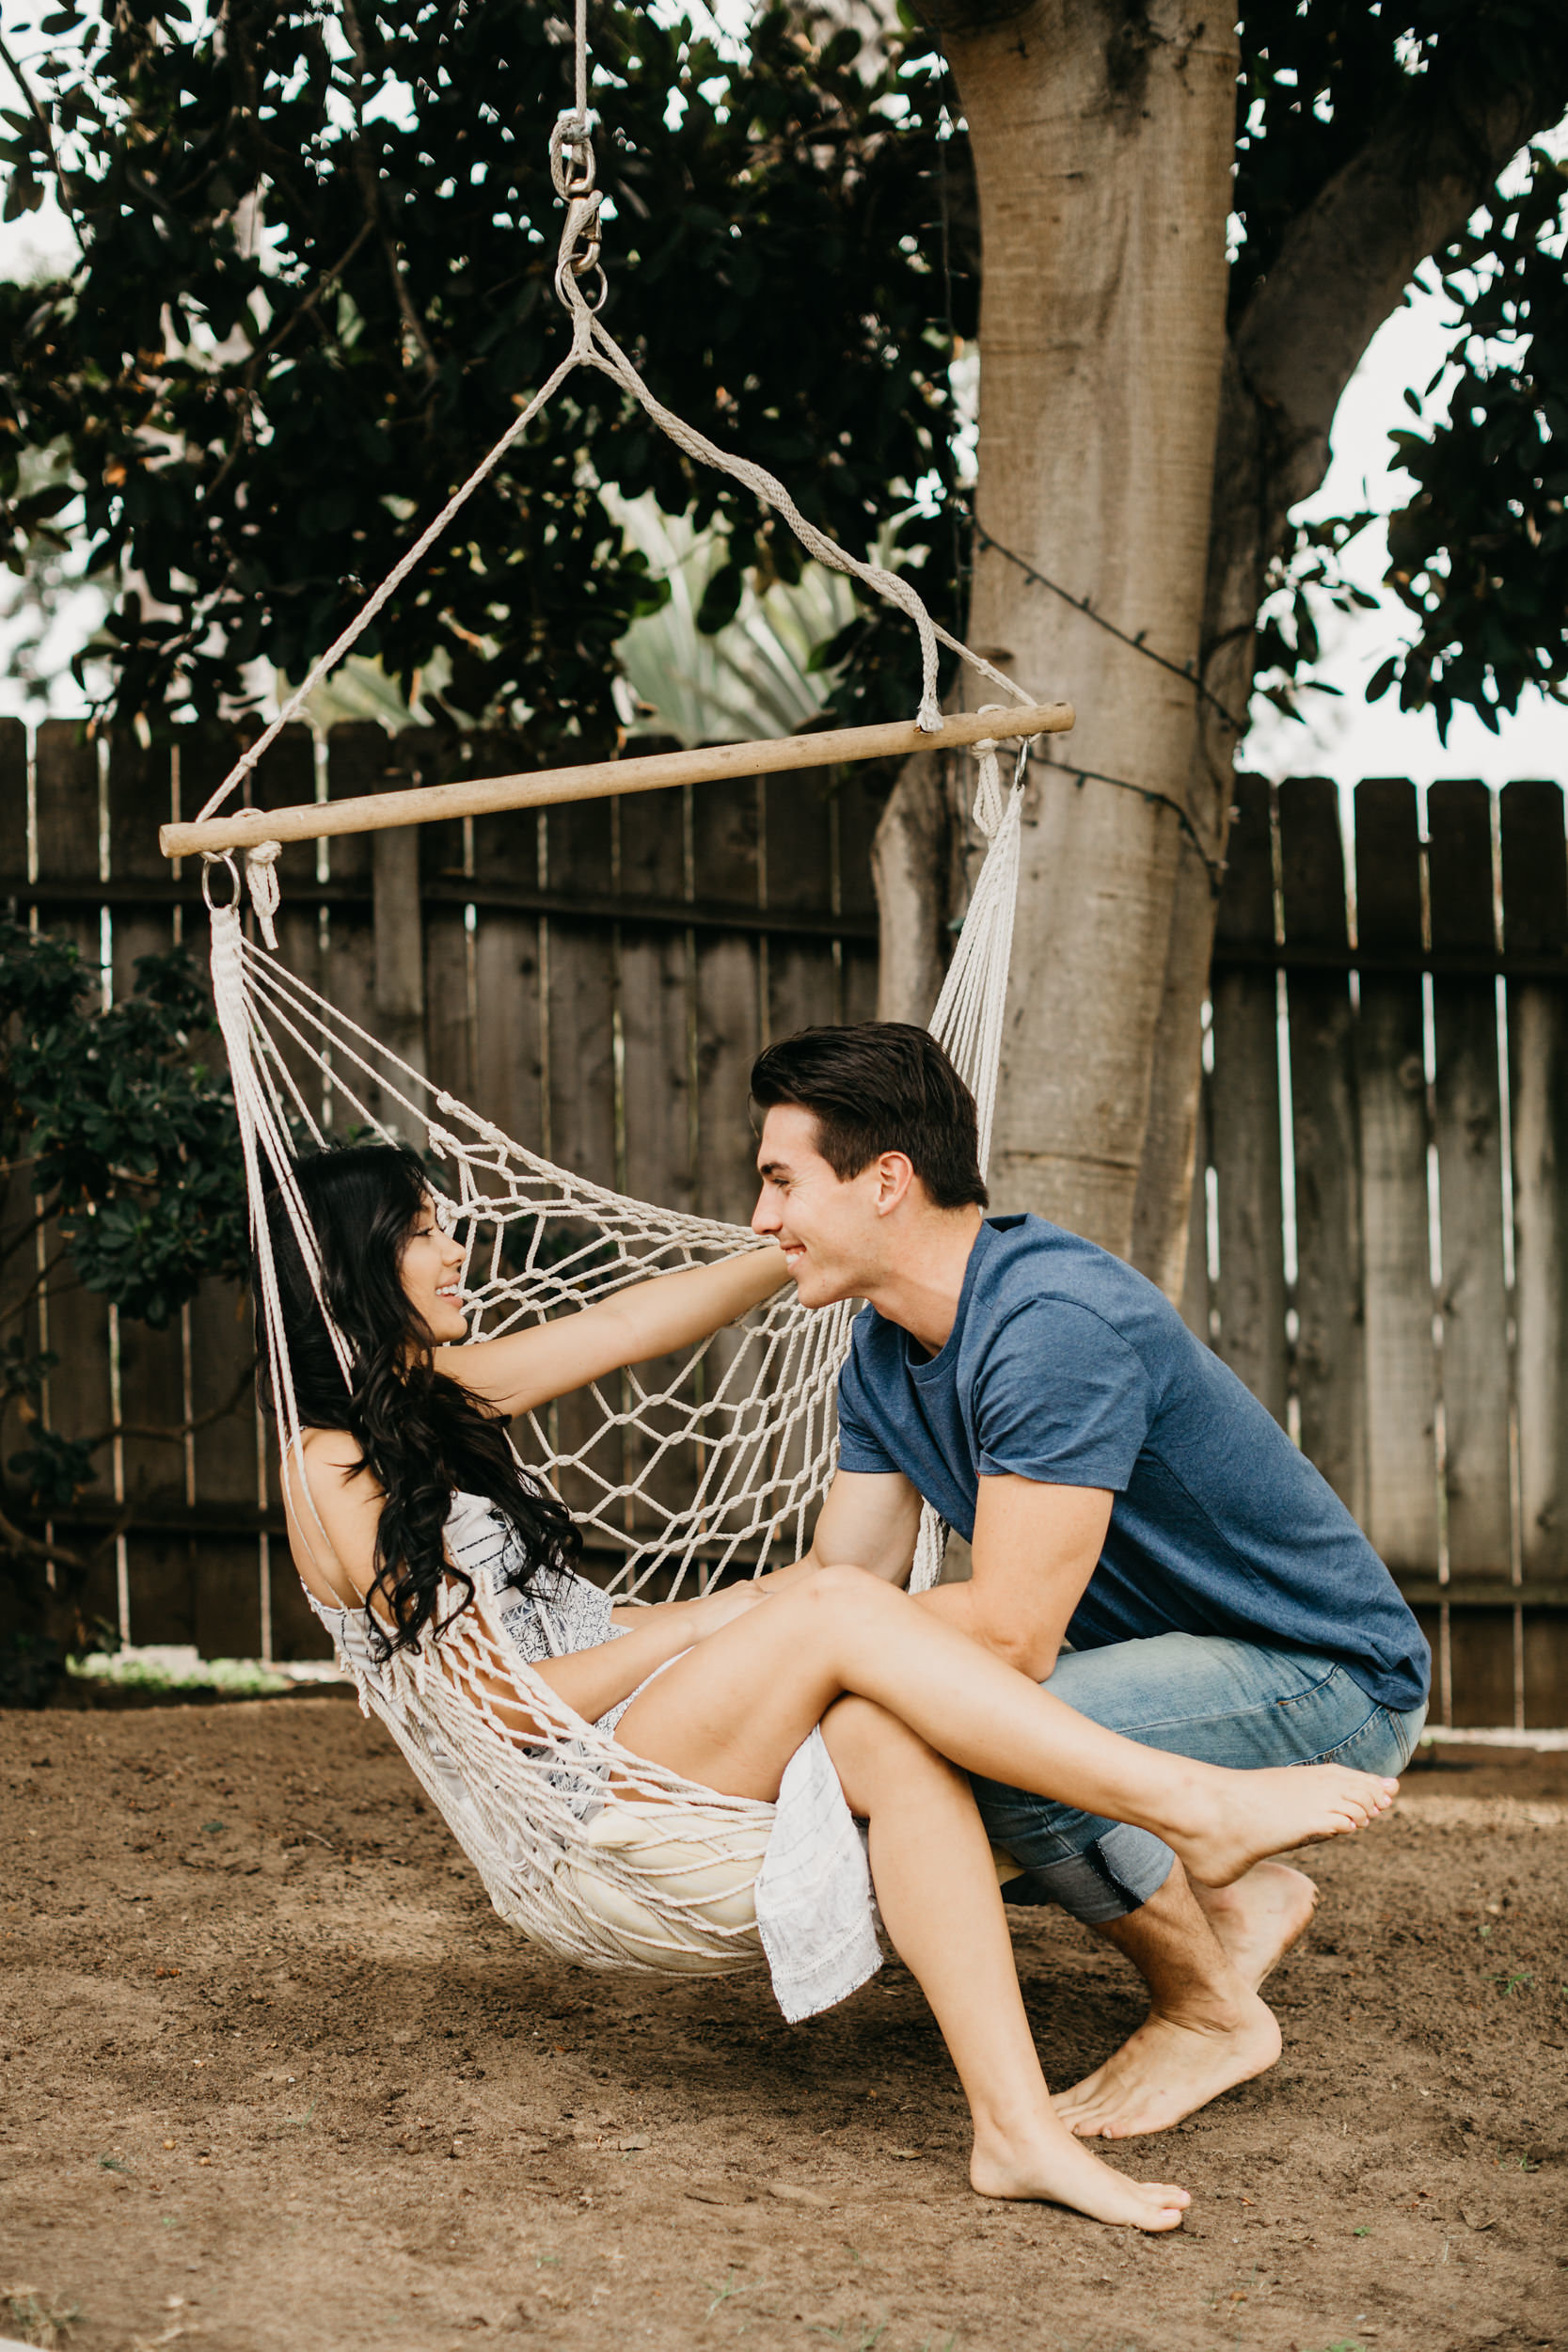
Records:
x=317, y=244
x=318, y=247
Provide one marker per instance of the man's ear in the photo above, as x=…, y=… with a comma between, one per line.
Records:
x=894, y=1175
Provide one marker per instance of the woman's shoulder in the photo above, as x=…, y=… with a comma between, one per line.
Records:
x=334, y=1449
x=331, y=1494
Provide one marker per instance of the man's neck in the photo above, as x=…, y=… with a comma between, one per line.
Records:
x=921, y=1289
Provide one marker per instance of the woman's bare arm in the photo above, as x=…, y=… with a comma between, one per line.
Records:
x=524, y=1370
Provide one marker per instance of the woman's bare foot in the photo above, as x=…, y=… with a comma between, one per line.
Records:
x=1041, y=2160
x=1228, y=1820
x=1258, y=1918
x=1170, y=2068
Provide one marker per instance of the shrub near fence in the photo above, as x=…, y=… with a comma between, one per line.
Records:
x=1379, y=1245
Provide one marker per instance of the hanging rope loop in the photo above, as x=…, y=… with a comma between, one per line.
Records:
x=219, y=857
x=581, y=240
x=572, y=162
x=260, y=872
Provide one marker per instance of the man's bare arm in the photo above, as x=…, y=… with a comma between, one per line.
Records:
x=868, y=1522
x=1036, y=1548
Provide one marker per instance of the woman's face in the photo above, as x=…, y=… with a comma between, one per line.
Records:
x=431, y=1264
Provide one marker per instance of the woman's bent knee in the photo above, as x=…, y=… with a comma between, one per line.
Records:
x=840, y=1586
x=879, y=1759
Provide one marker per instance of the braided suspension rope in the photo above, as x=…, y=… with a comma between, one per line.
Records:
x=578, y=263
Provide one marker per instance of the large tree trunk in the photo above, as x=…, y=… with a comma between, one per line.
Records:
x=1102, y=139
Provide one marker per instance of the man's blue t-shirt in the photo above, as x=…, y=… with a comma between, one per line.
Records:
x=1066, y=1366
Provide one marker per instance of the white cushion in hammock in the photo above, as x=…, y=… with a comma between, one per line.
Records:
x=690, y=1860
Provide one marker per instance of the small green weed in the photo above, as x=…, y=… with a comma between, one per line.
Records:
x=113, y=2164
x=722, y=2290
x=35, y=2322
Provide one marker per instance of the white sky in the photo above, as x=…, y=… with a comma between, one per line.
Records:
x=1345, y=737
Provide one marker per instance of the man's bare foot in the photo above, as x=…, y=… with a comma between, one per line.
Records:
x=1169, y=2069
x=1224, y=1822
x=1043, y=2161
x=1258, y=1920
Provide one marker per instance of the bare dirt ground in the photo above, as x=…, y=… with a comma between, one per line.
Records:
x=276, y=2080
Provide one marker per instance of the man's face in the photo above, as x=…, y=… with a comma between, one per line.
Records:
x=830, y=1232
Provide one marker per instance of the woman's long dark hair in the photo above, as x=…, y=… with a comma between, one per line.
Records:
x=420, y=1433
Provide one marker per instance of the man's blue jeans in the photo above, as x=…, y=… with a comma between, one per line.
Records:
x=1197, y=1694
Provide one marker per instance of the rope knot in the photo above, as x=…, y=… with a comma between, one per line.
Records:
x=990, y=803
x=260, y=872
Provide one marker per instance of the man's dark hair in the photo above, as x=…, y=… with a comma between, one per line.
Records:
x=881, y=1086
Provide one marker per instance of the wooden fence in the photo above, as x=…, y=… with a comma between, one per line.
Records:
x=597, y=979
x=1379, y=1245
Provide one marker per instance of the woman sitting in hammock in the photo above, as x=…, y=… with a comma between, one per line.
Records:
x=726, y=1689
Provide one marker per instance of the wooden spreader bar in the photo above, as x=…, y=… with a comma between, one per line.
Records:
x=482, y=796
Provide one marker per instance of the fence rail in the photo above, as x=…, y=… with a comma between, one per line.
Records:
x=1379, y=1242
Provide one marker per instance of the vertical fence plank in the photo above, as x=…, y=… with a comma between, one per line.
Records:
x=652, y=981
x=359, y=756
x=247, y=1599
x=1401, y=1462
x=861, y=797
x=1478, y=1664
x=584, y=1060
x=1535, y=923
x=804, y=978
x=72, y=1323
x=161, y=1568
x=510, y=1058
x=18, y=1241
x=442, y=853
x=1331, y=1371
x=1244, y=1111
x=583, y=1101
x=726, y=870
x=1469, y=1164
x=653, y=985
x=230, y=1576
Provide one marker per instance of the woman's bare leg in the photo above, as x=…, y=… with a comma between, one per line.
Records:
x=942, y=1908
x=734, y=1708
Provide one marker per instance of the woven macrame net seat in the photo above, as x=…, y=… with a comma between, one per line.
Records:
x=710, y=1463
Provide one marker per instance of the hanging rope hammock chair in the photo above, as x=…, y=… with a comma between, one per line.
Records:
x=719, y=1459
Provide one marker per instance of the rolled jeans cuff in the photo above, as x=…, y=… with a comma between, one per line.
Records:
x=1119, y=1870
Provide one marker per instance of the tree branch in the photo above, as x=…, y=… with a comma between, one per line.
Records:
x=371, y=196
x=1346, y=260
x=25, y=1546
x=159, y=1434
x=279, y=333
x=41, y=118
